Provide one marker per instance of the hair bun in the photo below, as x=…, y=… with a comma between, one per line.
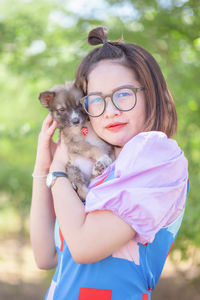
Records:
x=98, y=36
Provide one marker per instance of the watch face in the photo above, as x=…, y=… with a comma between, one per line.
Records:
x=50, y=178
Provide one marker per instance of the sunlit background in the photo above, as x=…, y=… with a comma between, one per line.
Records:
x=41, y=44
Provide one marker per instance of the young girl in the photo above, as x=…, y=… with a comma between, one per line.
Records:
x=114, y=247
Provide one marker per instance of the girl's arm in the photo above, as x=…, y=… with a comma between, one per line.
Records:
x=42, y=215
x=90, y=237
x=42, y=220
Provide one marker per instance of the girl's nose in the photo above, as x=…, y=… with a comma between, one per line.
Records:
x=111, y=110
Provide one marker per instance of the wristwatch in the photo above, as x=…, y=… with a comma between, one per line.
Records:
x=52, y=176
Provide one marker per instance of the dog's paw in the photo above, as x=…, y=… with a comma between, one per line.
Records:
x=101, y=164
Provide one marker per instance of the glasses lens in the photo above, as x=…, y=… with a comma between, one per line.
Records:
x=94, y=105
x=124, y=99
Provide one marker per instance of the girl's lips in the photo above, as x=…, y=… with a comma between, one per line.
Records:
x=115, y=126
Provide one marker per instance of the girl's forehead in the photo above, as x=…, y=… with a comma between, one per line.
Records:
x=107, y=76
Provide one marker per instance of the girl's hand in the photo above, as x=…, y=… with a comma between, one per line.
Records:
x=46, y=147
x=60, y=158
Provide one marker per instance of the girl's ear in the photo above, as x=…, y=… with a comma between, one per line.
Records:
x=46, y=98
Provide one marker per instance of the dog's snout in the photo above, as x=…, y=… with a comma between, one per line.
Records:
x=76, y=120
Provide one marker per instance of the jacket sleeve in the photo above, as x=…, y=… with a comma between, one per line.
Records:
x=149, y=187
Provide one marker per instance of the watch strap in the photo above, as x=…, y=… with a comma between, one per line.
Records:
x=60, y=174
x=55, y=175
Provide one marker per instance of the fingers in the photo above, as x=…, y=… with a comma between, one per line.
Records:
x=47, y=122
x=49, y=126
x=50, y=131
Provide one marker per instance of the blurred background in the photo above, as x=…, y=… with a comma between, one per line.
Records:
x=41, y=44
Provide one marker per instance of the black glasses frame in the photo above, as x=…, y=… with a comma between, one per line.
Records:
x=131, y=87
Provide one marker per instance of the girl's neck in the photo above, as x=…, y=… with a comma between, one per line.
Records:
x=117, y=151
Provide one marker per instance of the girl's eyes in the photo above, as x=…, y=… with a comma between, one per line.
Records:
x=95, y=100
x=122, y=94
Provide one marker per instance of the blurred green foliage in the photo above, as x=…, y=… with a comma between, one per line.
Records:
x=42, y=43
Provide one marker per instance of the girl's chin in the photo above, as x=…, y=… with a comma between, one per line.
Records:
x=115, y=143
x=116, y=140
x=120, y=142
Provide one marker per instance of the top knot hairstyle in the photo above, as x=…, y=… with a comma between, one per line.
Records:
x=109, y=50
x=160, y=109
x=98, y=36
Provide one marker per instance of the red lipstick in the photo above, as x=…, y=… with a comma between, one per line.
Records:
x=115, y=126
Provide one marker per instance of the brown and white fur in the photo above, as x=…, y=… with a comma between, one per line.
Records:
x=88, y=154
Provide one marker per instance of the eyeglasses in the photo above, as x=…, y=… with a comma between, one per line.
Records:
x=124, y=98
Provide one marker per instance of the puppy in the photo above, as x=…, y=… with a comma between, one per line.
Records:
x=88, y=154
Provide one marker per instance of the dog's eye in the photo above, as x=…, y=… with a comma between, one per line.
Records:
x=61, y=109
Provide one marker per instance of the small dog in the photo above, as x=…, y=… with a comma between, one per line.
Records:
x=88, y=154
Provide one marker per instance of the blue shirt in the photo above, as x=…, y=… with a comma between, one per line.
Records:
x=112, y=278
x=146, y=186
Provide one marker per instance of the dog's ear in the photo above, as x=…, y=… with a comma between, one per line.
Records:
x=78, y=95
x=46, y=98
x=69, y=84
x=81, y=83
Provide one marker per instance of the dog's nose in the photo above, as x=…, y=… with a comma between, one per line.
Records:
x=75, y=120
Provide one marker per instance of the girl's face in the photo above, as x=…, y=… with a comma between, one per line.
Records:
x=114, y=126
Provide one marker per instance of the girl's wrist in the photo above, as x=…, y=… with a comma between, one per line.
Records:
x=57, y=166
x=39, y=171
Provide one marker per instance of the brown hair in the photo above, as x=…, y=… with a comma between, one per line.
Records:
x=160, y=109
